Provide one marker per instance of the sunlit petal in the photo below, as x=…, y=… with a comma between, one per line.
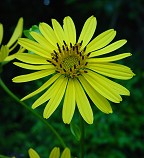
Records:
x=101, y=40
x=83, y=103
x=43, y=87
x=110, y=48
x=55, y=153
x=112, y=70
x=48, y=33
x=33, y=76
x=17, y=33
x=1, y=33
x=109, y=59
x=34, y=47
x=69, y=30
x=87, y=31
x=31, y=58
x=66, y=153
x=59, y=32
x=97, y=99
x=4, y=52
x=41, y=40
x=33, y=67
x=69, y=102
x=33, y=153
x=51, y=92
x=102, y=87
x=55, y=100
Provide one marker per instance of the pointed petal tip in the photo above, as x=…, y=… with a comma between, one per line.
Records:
x=40, y=24
x=44, y=115
x=92, y=16
x=22, y=99
x=124, y=40
x=110, y=111
x=66, y=120
x=67, y=17
x=90, y=121
x=33, y=106
x=14, y=79
x=21, y=19
x=134, y=74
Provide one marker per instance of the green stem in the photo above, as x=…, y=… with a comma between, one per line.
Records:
x=33, y=112
x=82, y=138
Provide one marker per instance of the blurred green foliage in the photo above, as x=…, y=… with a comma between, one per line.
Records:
x=118, y=135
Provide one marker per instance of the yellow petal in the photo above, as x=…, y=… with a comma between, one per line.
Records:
x=69, y=102
x=17, y=33
x=13, y=56
x=87, y=31
x=42, y=41
x=69, y=30
x=102, y=87
x=48, y=33
x=33, y=76
x=34, y=67
x=55, y=153
x=43, y=87
x=97, y=99
x=101, y=40
x=34, y=47
x=1, y=33
x=112, y=70
x=55, y=100
x=51, y=92
x=113, y=85
x=59, y=32
x=110, y=48
x=31, y=58
x=33, y=153
x=10, y=57
x=4, y=52
x=109, y=59
x=83, y=103
x=66, y=153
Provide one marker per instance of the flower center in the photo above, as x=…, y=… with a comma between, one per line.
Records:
x=69, y=60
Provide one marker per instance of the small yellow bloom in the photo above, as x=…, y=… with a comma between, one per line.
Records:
x=55, y=153
x=6, y=49
x=74, y=68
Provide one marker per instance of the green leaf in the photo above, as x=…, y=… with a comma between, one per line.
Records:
x=34, y=28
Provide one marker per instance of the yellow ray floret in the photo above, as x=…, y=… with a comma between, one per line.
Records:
x=5, y=50
x=83, y=103
x=68, y=111
x=70, y=30
x=55, y=153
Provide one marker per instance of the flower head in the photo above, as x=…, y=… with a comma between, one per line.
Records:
x=74, y=68
x=55, y=153
x=6, y=49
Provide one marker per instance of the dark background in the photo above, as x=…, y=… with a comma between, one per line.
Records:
x=119, y=135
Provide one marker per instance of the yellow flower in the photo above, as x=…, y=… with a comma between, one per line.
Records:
x=6, y=49
x=55, y=153
x=75, y=69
